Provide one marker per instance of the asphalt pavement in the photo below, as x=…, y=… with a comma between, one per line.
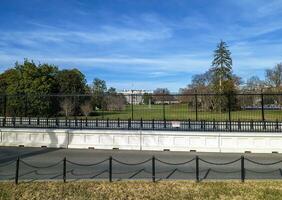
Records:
x=48, y=164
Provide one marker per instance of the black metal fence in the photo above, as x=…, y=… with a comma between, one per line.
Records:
x=153, y=168
x=189, y=125
x=177, y=107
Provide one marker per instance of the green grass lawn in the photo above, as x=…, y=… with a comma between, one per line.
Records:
x=250, y=190
x=183, y=112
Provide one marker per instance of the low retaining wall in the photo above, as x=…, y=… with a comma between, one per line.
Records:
x=144, y=140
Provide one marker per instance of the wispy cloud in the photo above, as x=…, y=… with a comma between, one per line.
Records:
x=163, y=45
x=106, y=35
x=270, y=8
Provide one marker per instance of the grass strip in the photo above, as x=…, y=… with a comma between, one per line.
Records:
x=142, y=190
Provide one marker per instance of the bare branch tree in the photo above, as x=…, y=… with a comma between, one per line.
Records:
x=86, y=108
x=67, y=106
x=115, y=102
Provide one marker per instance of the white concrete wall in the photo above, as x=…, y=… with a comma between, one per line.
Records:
x=144, y=140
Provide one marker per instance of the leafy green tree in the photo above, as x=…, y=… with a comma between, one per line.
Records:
x=147, y=98
x=224, y=82
x=72, y=82
x=99, y=90
x=162, y=94
x=26, y=84
x=112, y=90
x=10, y=86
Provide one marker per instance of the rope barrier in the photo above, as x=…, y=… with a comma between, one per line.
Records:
x=87, y=165
x=166, y=173
x=132, y=164
x=182, y=163
x=259, y=163
x=226, y=163
x=41, y=167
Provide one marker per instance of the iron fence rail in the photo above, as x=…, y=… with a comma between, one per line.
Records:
x=190, y=125
x=194, y=106
x=193, y=168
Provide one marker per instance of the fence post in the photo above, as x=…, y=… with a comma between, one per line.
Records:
x=196, y=106
x=110, y=168
x=229, y=110
x=202, y=125
x=4, y=121
x=65, y=170
x=129, y=123
x=86, y=121
x=188, y=117
x=14, y=121
x=25, y=105
x=141, y=123
x=5, y=105
x=132, y=104
x=57, y=121
x=17, y=171
x=163, y=106
x=262, y=107
x=197, y=169
x=242, y=168
x=153, y=169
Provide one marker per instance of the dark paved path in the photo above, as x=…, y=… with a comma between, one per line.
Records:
x=35, y=160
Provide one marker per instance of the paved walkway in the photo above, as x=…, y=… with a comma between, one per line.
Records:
x=47, y=163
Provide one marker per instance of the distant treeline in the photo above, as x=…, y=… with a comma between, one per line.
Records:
x=31, y=85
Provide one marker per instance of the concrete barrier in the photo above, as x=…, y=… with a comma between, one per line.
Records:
x=34, y=137
x=144, y=140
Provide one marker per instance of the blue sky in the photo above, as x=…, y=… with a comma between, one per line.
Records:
x=141, y=44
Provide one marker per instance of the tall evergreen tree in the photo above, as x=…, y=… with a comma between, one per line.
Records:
x=222, y=65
